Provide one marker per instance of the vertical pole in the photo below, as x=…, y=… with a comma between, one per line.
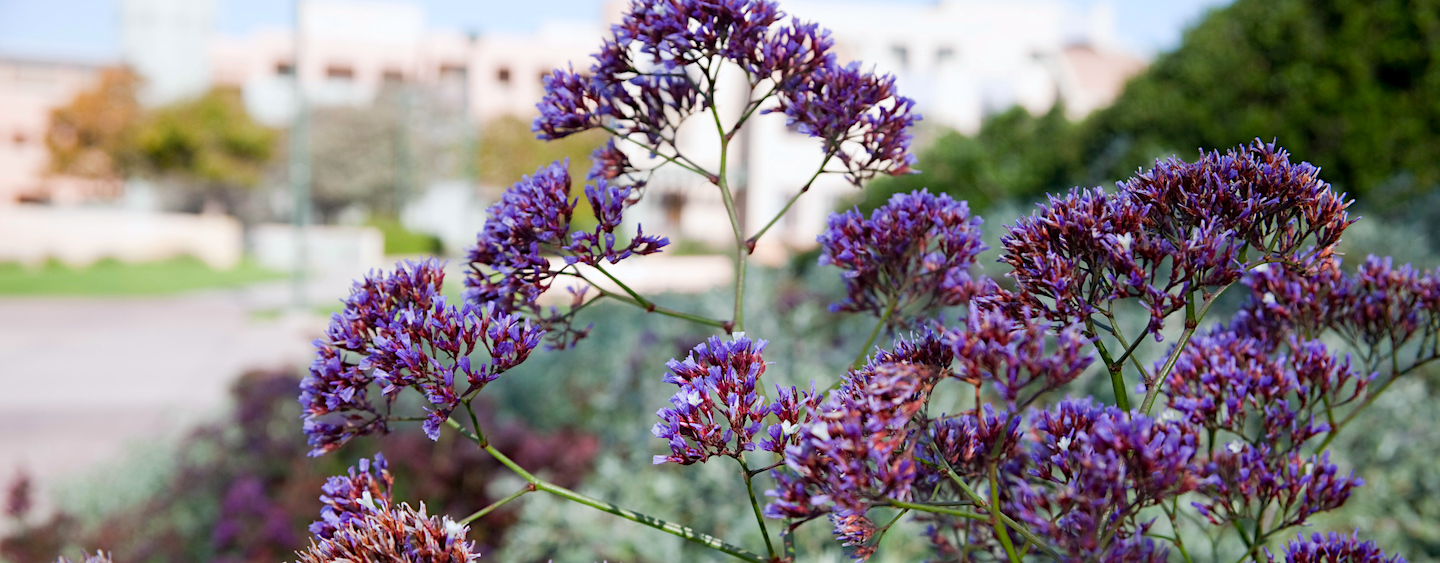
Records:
x=300, y=172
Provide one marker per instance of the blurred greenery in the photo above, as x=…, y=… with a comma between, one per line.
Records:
x=113, y=278
x=399, y=240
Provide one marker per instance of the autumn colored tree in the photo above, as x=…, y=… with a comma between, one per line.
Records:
x=94, y=135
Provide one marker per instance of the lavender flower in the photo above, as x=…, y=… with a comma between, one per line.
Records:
x=1243, y=479
x=914, y=253
x=845, y=106
x=858, y=449
x=718, y=383
x=1175, y=230
x=398, y=332
x=968, y=444
x=508, y=265
x=1333, y=548
x=854, y=532
x=347, y=498
x=98, y=557
x=645, y=81
x=1097, y=467
x=1012, y=355
x=394, y=533
x=1222, y=380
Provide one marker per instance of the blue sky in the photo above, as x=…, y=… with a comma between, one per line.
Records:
x=86, y=29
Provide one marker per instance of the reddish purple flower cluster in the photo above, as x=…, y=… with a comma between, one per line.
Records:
x=1379, y=307
x=857, y=451
x=1243, y=480
x=1333, y=548
x=913, y=254
x=1178, y=229
x=394, y=533
x=397, y=331
x=508, y=264
x=347, y=498
x=1013, y=355
x=1252, y=389
x=718, y=382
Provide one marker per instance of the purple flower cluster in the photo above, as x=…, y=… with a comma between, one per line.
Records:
x=859, y=118
x=1380, y=306
x=718, y=383
x=508, y=264
x=913, y=254
x=397, y=331
x=1168, y=233
x=98, y=557
x=1224, y=381
x=1013, y=355
x=1333, y=548
x=394, y=533
x=858, y=450
x=968, y=444
x=347, y=498
x=1094, y=468
x=1242, y=480
x=656, y=70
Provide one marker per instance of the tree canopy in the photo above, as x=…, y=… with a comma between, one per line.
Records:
x=1352, y=86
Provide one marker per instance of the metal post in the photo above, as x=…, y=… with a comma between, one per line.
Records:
x=300, y=173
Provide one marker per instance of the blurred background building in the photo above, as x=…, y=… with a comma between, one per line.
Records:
x=960, y=59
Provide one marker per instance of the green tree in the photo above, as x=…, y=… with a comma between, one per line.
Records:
x=208, y=143
x=1349, y=85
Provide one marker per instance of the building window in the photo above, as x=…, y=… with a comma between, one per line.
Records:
x=339, y=72
x=284, y=68
x=452, y=72
x=902, y=55
x=673, y=204
x=944, y=55
x=503, y=75
x=392, y=75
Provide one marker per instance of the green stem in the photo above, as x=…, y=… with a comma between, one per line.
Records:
x=966, y=514
x=529, y=487
x=1117, y=377
x=756, y=237
x=742, y=250
x=651, y=307
x=1369, y=400
x=672, y=160
x=980, y=501
x=755, y=505
x=1192, y=321
x=685, y=532
x=995, y=516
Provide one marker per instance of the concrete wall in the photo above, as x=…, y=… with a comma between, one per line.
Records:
x=79, y=236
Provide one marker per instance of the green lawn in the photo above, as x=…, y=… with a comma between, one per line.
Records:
x=110, y=278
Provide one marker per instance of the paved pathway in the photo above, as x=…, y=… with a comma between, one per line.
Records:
x=82, y=380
